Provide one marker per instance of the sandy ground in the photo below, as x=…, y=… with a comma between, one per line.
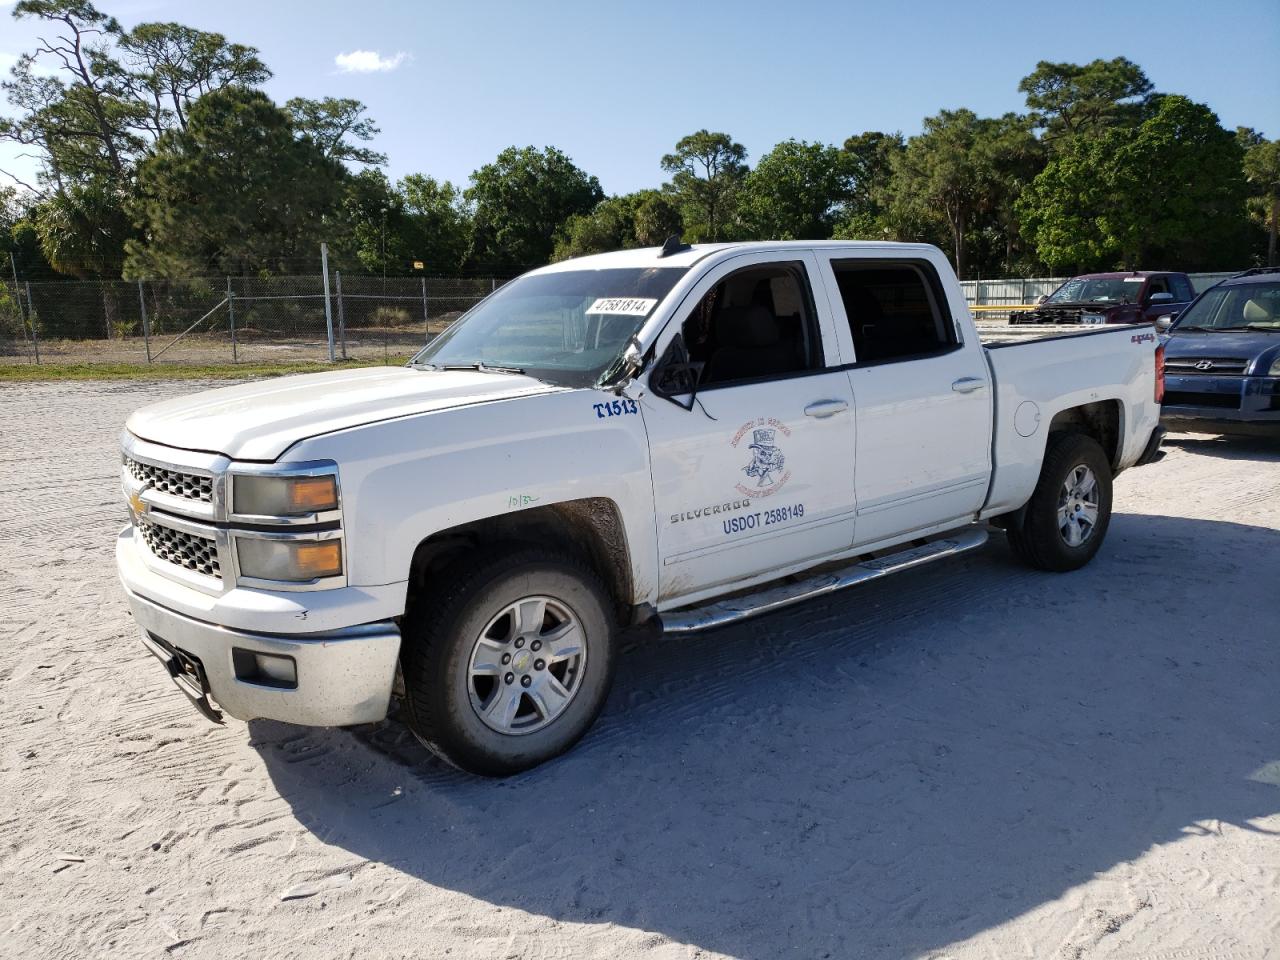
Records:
x=975, y=761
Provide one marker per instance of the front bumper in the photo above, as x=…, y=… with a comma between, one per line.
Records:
x=1235, y=404
x=344, y=675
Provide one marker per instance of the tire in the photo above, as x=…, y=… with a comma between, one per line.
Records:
x=496, y=717
x=1038, y=533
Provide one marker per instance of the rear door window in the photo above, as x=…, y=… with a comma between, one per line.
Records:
x=896, y=310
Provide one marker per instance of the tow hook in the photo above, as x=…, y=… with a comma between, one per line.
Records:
x=187, y=673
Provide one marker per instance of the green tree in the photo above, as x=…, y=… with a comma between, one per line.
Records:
x=657, y=217
x=1068, y=99
x=18, y=237
x=333, y=123
x=707, y=170
x=797, y=191
x=520, y=201
x=441, y=222
x=167, y=66
x=80, y=119
x=373, y=229
x=610, y=226
x=871, y=156
x=1171, y=189
x=941, y=178
x=1009, y=156
x=1262, y=173
x=641, y=219
x=84, y=228
x=236, y=191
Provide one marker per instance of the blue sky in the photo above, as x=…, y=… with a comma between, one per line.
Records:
x=616, y=84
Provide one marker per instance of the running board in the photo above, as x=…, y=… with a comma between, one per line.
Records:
x=723, y=612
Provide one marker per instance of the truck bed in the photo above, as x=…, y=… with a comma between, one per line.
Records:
x=1110, y=366
x=994, y=333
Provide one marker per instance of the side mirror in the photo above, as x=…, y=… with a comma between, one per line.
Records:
x=1161, y=298
x=628, y=366
x=1041, y=299
x=1165, y=322
x=675, y=374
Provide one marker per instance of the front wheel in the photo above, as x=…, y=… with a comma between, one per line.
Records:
x=508, y=663
x=1064, y=523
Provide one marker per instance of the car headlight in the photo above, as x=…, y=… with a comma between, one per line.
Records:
x=268, y=496
x=288, y=561
x=1275, y=368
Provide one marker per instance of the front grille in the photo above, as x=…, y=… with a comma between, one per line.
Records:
x=1205, y=365
x=188, y=550
x=1188, y=398
x=188, y=486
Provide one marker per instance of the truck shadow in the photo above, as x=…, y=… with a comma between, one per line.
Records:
x=880, y=773
x=1261, y=449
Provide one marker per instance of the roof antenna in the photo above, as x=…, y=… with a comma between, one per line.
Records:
x=674, y=245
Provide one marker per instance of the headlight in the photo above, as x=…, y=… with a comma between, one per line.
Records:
x=290, y=561
x=284, y=496
x=1275, y=368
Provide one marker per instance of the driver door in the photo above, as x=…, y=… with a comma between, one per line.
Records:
x=754, y=471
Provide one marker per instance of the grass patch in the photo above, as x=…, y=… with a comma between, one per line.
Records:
x=37, y=372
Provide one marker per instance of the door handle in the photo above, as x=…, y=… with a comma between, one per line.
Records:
x=968, y=384
x=825, y=408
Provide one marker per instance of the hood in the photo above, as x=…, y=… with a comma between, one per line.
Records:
x=259, y=421
x=1100, y=307
x=1068, y=310
x=1245, y=345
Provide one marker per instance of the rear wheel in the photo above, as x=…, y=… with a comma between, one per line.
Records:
x=508, y=662
x=1064, y=523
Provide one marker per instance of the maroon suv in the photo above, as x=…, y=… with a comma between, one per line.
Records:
x=1141, y=296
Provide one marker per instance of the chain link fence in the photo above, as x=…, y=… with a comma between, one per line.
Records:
x=997, y=298
x=279, y=319
x=230, y=319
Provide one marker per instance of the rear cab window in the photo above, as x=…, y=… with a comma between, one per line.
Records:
x=896, y=309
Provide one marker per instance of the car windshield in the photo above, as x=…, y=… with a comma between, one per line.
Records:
x=1244, y=306
x=565, y=327
x=1097, y=290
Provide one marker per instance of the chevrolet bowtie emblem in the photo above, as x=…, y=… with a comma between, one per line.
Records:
x=136, y=503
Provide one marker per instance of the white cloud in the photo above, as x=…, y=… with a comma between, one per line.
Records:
x=368, y=61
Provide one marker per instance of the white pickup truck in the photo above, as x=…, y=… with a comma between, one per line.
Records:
x=685, y=436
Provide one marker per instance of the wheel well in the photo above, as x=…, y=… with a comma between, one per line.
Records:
x=590, y=528
x=1099, y=420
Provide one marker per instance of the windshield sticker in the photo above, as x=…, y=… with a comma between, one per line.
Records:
x=768, y=463
x=623, y=306
x=1134, y=279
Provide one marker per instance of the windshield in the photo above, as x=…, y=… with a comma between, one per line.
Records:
x=1097, y=290
x=1251, y=306
x=565, y=327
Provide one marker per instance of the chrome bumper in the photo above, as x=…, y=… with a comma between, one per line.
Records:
x=343, y=676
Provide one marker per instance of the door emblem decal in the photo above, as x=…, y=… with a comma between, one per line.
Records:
x=766, y=471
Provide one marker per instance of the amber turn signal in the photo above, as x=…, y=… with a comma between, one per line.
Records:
x=313, y=494
x=319, y=559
